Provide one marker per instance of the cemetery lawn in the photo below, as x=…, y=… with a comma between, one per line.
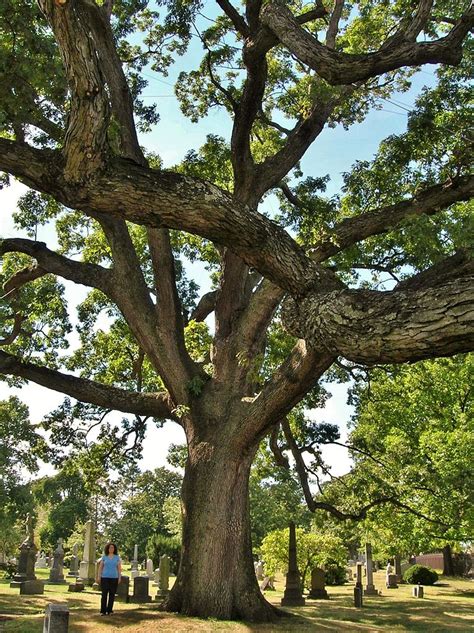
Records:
x=448, y=608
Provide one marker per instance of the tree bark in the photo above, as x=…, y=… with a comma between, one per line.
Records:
x=216, y=577
x=448, y=564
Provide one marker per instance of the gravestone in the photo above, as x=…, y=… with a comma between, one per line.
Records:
x=134, y=566
x=418, y=591
x=267, y=584
x=96, y=585
x=31, y=587
x=87, y=566
x=163, y=577
x=27, y=558
x=74, y=566
x=358, y=582
x=76, y=587
x=56, y=619
x=123, y=589
x=370, y=589
x=140, y=589
x=56, y=575
x=392, y=581
x=358, y=600
x=318, y=585
x=293, y=596
x=349, y=574
x=156, y=577
x=149, y=568
x=259, y=570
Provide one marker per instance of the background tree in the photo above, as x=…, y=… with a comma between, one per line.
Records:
x=20, y=448
x=313, y=550
x=282, y=73
x=66, y=498
x=141, y=510
x=411, y=442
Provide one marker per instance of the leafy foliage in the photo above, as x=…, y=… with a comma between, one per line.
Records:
x=420, y=575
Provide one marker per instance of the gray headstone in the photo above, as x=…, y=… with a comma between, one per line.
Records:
x=418, y=591
x=134, y=565
x=123, y=589
x=76, y=587
x=149, y=568
x=56, y=575
x=392, y=581
x=140, y=589
x=259, y=570
x=359, y=575
x=358, y=600
x=74, y=566
x=87, y=566
x=293, y=596
x=164, y=574
x=370, y=589
x=267, y=584
x=31, y=587
x=318, y=585
x=56, y=619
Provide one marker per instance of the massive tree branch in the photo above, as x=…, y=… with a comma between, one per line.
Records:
x=85, y=143
x=111, y=67
x=426, y=202
x=388, y=327
x=164, y=199
x=339, y=68
x=461, y=264
x=325, y=314
x=153, y=404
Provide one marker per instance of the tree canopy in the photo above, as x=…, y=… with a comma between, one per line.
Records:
x=289, y=293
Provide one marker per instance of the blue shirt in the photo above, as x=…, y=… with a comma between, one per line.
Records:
x=110, y=568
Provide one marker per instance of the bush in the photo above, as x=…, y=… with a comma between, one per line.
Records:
x=335, y=574
x=9, y=568
x=420, y=575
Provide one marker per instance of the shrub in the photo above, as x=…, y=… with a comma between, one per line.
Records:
x=420, y=575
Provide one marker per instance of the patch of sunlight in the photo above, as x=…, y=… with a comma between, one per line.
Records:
x=462, y=616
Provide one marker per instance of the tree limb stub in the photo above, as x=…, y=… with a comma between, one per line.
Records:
x=339, y=68
x=156, y=405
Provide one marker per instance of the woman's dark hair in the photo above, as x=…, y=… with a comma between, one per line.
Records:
x=106, y=548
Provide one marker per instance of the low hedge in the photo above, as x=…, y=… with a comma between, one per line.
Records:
x=420, y=575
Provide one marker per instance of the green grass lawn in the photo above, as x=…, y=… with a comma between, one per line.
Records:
x=448, y=607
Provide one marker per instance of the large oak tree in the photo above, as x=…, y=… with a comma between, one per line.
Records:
x=283, y=72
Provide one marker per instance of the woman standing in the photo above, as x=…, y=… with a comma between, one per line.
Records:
x=108, y=576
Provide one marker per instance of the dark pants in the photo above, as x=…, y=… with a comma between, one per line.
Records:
x=109, y=589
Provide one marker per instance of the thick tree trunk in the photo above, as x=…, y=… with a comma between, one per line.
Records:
x=216, y=577
x=448, y=564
